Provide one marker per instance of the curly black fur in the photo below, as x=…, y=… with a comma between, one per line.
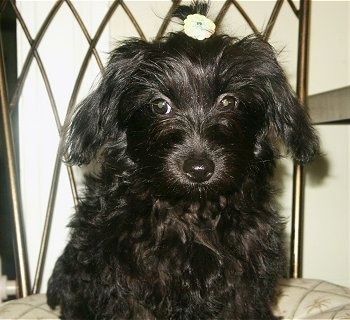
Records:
x=200, y=7
x=180, y=223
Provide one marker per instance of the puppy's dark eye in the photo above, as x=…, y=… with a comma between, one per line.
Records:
x=161, y=106
x=228, y=101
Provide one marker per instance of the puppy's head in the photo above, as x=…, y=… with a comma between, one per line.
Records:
x=191, y=115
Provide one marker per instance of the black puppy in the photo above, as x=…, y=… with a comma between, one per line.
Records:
x=180, y=222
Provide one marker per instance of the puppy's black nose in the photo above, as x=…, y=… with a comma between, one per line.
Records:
x=198, y=169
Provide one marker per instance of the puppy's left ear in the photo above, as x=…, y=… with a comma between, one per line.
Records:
x=291, y=121
x=285, y=117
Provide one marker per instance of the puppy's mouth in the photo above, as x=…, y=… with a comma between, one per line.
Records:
x=197, y=174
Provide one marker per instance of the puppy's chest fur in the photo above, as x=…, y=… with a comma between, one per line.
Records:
x=184, y=255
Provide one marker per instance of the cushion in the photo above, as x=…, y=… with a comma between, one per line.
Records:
x=31, y=307
x=313, y=299
x=299, y=299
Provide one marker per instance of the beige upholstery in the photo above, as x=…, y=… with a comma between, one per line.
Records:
x=313, y=299
x=31, y=307
x=299, y=299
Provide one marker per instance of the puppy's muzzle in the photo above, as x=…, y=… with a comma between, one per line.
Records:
x=198, y=170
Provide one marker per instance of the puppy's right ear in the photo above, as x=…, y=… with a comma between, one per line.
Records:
x=83, y=137
x=95, y=122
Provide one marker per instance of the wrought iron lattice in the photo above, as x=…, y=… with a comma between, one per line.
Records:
x=9, y=103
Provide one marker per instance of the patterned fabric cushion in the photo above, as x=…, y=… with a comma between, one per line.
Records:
x=32, y=307
x=313, y=299
x=299, y=299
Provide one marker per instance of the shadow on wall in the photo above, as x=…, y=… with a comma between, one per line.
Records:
x=315, y=172
x=318, y=170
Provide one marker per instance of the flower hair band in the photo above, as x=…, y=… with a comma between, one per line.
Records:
x=195, y=22
x=198, y=26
